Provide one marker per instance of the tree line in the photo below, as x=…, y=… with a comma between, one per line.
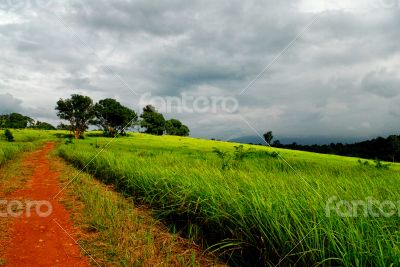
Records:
x=113, y=118
x=18, y=121
x=387, y=149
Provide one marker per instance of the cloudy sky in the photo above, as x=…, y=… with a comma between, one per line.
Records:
x=298, y=68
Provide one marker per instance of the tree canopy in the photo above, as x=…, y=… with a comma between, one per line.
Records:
x=41, y=125
x=268, y=137
x=152, y=121
x=175, y=127
x=15, y=121
x=78, y=110
x=113, y=117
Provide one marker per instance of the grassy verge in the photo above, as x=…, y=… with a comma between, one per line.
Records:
x=118, y=233
x=24, y=140
x=10, y=150
x=256, y=205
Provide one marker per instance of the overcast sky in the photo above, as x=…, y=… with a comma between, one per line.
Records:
x=331, y=69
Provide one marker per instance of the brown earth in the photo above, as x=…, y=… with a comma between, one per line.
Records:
x=34, y=240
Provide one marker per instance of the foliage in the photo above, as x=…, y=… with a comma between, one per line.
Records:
x=78, y=110
x=387, y=149
x=8, y=135
x=175, y=127
x=227, y=158
x=363, y=163
x=64, y=127
x=42, y=126
x=113, y=117
x=152, y=121
x=15, y=121
x=268, y=137
x=380, y=165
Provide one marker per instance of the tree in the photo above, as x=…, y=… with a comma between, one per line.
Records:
x=394, y=141
x=277, y=143
x=152, y=121
x=113, y=117
x=42, y=126
x=64, y=127
x=268, y=137
x=15, y=121
x=175, y=127
x=78, y=110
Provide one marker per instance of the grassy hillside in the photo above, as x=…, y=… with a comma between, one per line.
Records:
x=247, y=202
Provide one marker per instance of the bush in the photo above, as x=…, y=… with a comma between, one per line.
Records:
x=9, y=136
x=380, y=165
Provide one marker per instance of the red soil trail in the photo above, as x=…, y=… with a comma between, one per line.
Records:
x=42, y=241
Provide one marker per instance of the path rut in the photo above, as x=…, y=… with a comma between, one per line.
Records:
x=35, y=240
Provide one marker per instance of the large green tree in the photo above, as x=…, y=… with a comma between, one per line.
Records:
x=113, y=117
x=78, y=111
x=175, y=127
x=15, y=121
x=152, y=121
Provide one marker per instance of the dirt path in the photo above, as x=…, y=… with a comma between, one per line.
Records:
x=45, y=237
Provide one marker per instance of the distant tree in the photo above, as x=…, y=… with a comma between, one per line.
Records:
x=113, y=117
x=65, y=127
x=394, y=141
x=78, y=110
x=42, y=126
x=9, y=136
x=175, y=127
x=152, y=121
x=15, y=121
x=268, y=137
x=277, y=143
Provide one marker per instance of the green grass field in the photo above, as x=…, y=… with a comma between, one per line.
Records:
x=257, y=209
x=25, y=140
x=249, y=205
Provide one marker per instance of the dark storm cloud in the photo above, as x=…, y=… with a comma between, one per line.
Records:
x=382, y=83
x=338, y=78
x=9, y=104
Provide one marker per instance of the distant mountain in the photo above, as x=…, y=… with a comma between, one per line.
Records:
x=311, y=140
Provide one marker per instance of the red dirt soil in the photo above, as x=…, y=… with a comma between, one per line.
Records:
x=38, y=241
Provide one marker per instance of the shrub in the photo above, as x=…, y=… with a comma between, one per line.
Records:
x=9, y=136
x=380, y=165
x=225, y=158
x=237, y=156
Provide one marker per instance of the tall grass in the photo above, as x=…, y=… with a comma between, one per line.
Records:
x=259, y=211
x=24, y=140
